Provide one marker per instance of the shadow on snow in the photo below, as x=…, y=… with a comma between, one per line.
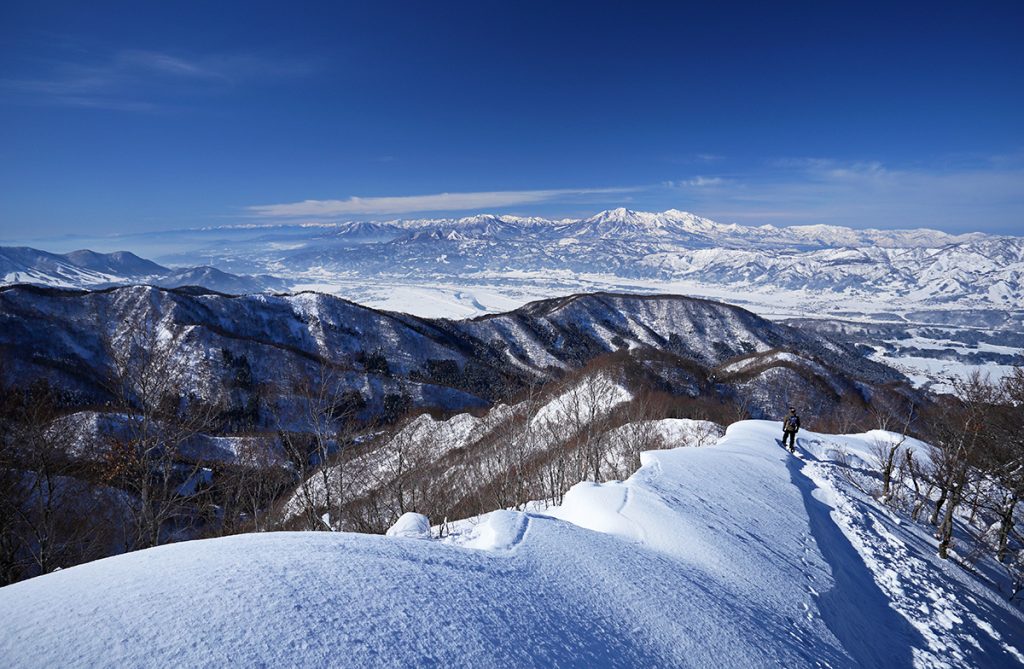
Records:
x=856, y=610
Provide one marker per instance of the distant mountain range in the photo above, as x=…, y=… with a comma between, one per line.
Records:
x=674, y=225
x=88, y=269
x=789, y=270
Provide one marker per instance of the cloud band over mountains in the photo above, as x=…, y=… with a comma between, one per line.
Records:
x=407, y=204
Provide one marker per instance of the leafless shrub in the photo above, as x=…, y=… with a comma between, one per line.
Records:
x=894, y=420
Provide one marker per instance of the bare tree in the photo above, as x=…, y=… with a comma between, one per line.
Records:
x=12, y=493
x=319, y=420
x=845, y=418
x=892, y=420
x=584, y=411
x=331, y=417
x=742, y=405
x=1013, y=563
x=505, y=467
x=628, y=442
x=399, y=461
x=639, y=433
x=51, y=489
x=959, y=438
x=918, y=473
x=161, y=414
x=246, y=489
x=51, y=516
x=1003, y=458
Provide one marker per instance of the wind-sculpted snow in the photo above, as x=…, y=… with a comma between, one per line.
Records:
x=735, y=555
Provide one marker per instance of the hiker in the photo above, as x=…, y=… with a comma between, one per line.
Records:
x=790, y=426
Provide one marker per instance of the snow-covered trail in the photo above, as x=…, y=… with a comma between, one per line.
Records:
x=959, y=617
x=855, y=609
x=735, y=555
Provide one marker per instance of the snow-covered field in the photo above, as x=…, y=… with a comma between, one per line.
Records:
x=430, y=300
x=939, y=375
x=734, y=555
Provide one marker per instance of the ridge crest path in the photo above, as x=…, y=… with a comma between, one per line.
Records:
x=730, y=555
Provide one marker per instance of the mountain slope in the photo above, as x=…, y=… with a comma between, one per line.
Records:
x=120, y=263
x=88, y=269
x=732, y=555
x=454, y=364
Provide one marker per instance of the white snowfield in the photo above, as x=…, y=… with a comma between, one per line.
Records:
x=734, y=555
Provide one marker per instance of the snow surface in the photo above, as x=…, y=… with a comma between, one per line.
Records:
x=411, y=525
x=734, y=555
x=939, y=375
x=677, y=431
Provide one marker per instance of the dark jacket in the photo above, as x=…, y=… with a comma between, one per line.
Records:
x=791, y=423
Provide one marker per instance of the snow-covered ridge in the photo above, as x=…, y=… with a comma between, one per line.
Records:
x=487, y=263
x=469, y=264
x=438, y=363
x=772, y=358
x=90, y=270
x=671, y=221
x=733, y=555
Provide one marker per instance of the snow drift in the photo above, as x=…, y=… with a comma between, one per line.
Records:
x=734, y=555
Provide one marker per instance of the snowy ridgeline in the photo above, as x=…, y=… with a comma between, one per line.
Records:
x=734, y=555
x=485, y=263
x=506, y=436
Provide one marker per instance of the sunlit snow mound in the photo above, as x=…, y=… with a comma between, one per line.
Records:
x=733, y=555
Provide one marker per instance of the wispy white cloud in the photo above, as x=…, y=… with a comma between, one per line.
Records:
x=988, y=195
x=985, y=195
x=141, y=80
x=407, y=204
x=163, y=63
x=694, y=158
x=696, y=182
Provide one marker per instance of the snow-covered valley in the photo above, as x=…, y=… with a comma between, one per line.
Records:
x=736, y=554
x=966, y=285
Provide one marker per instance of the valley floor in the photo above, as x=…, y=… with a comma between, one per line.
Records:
x=736, y=555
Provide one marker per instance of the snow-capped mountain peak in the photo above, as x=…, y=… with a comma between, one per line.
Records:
x=890, y=269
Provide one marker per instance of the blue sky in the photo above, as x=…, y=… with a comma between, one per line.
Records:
x=155, y=116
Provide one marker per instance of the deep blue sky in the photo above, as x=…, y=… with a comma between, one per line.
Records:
x=148, y=116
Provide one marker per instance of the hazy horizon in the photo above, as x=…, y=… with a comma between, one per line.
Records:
x=156, y=243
